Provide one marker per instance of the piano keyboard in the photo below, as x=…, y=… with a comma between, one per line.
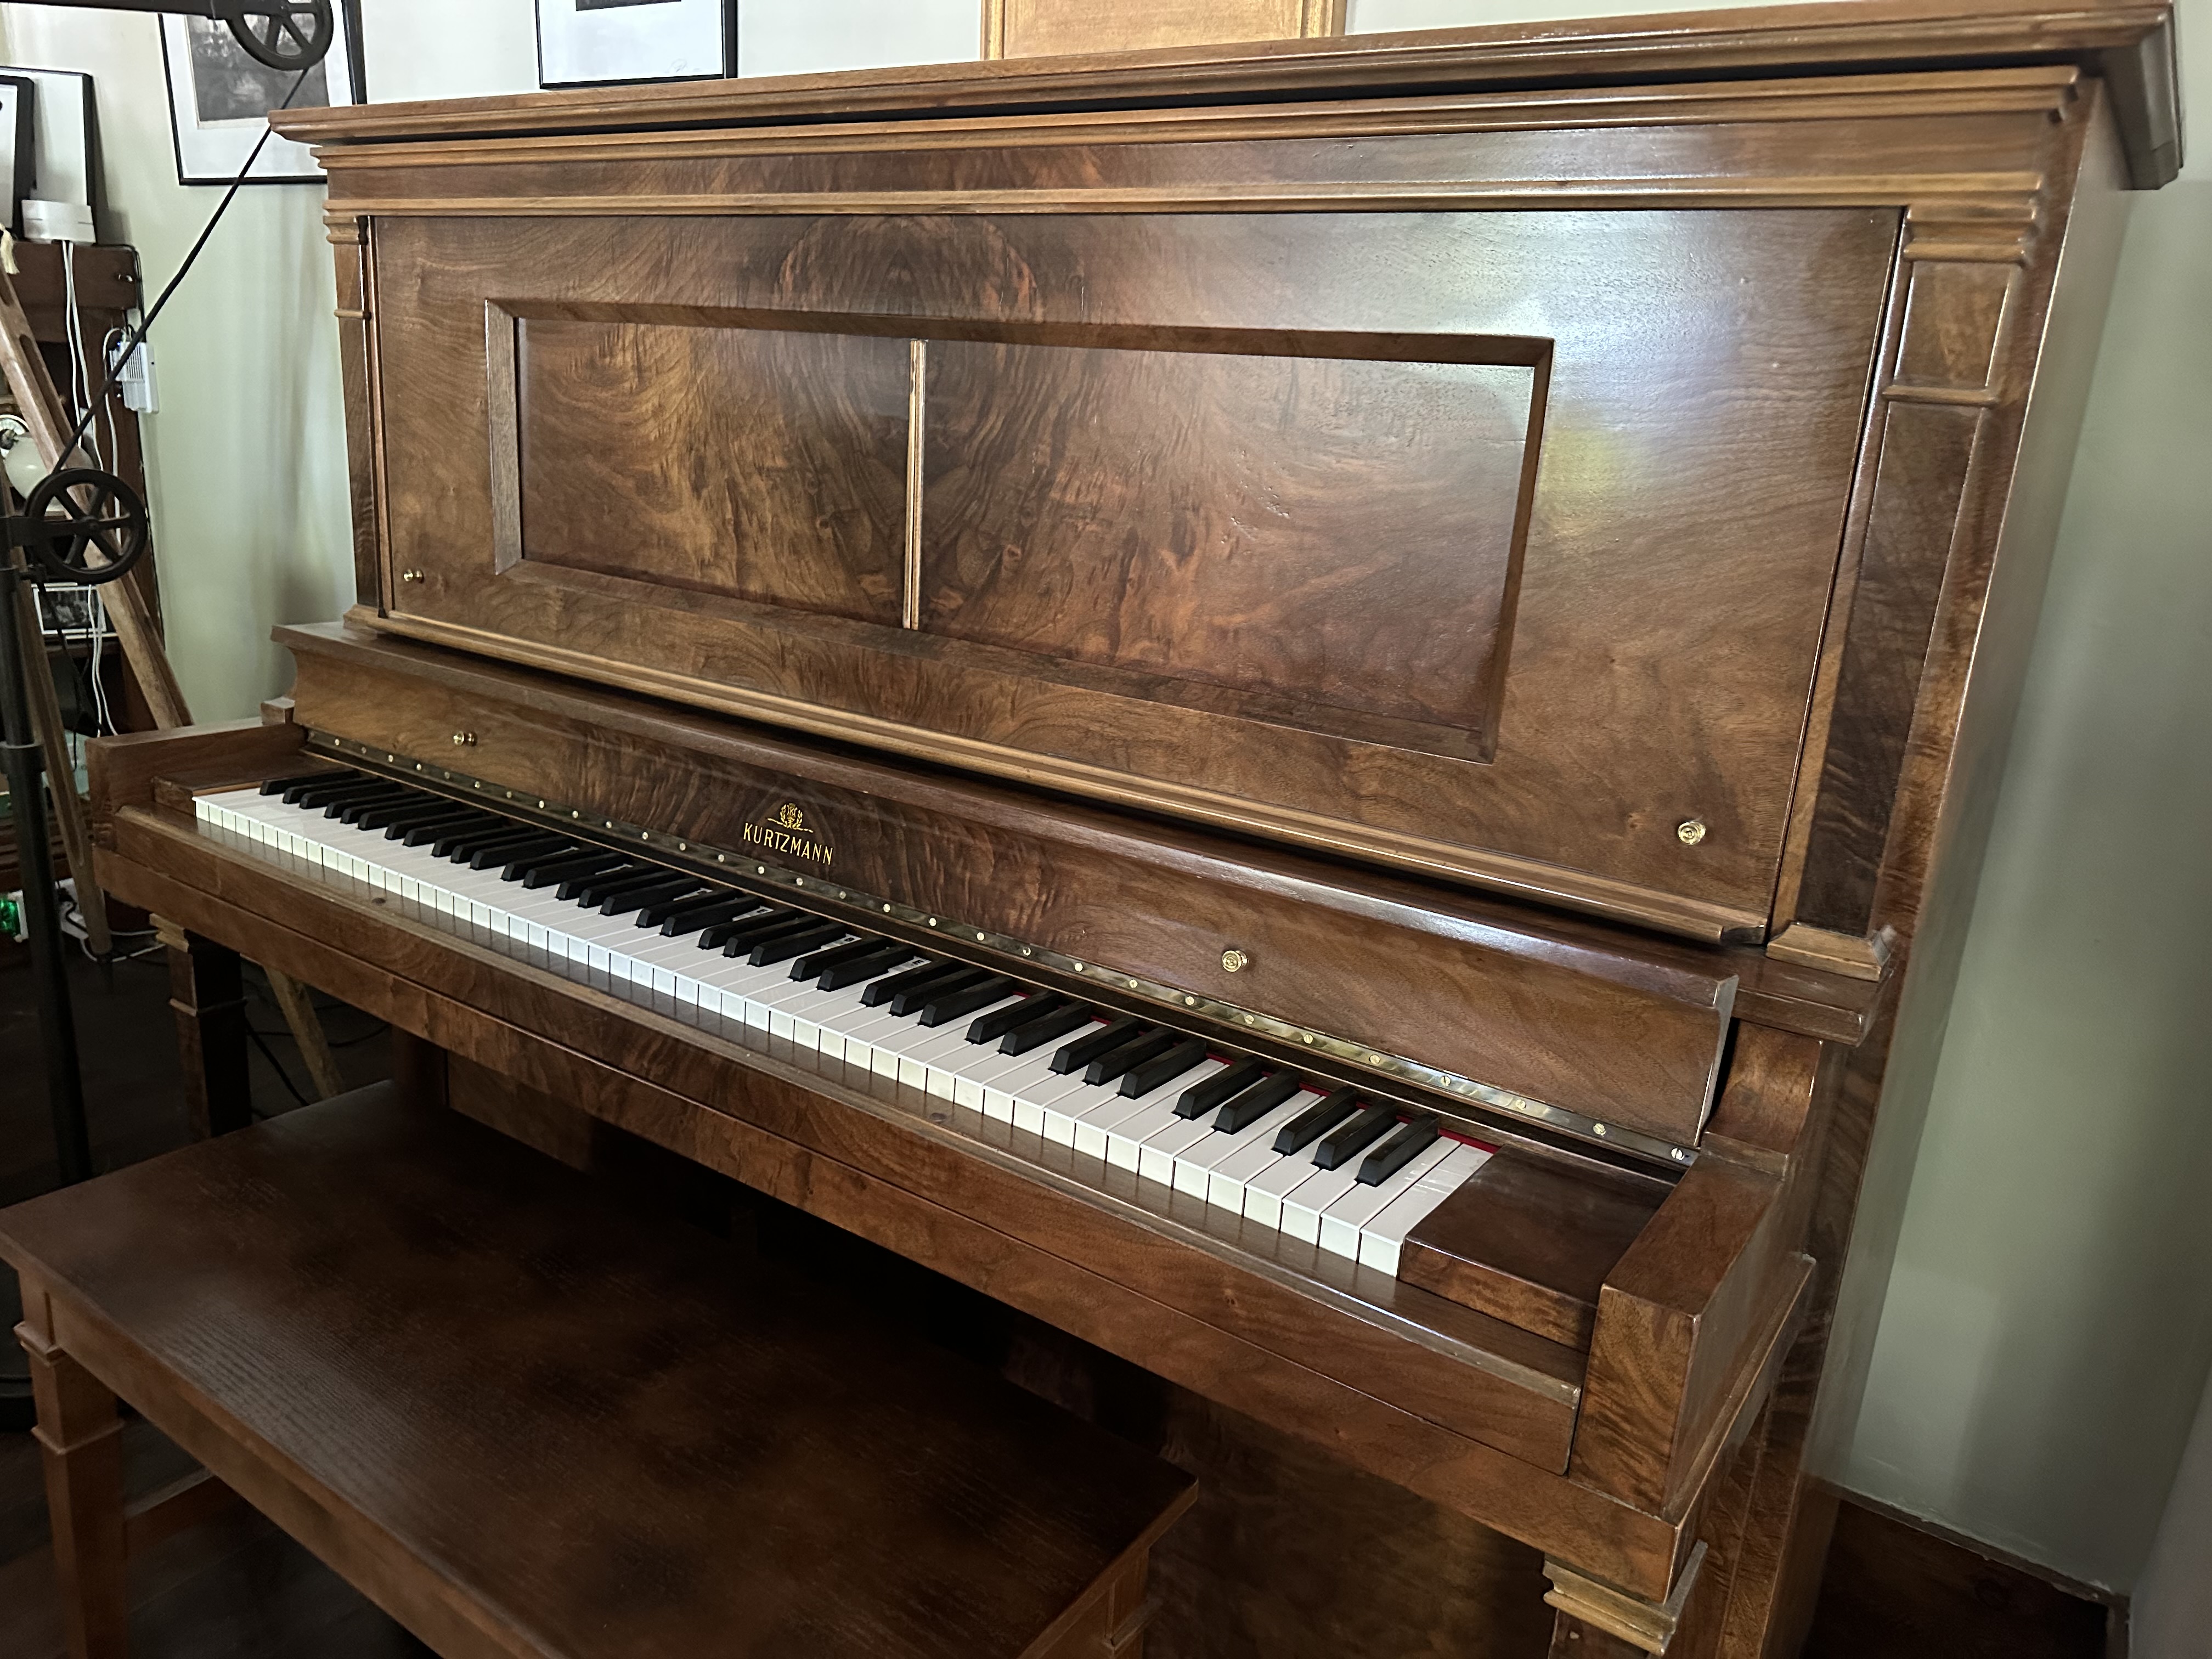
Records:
x=1250, y=1136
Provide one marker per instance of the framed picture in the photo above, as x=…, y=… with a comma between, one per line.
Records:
x=597, y=43
x=220, y=98
x=19, y=96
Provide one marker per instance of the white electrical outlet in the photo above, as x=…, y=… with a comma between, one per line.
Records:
x=134, y=379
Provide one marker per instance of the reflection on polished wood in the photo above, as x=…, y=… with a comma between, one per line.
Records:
x=1484, y=556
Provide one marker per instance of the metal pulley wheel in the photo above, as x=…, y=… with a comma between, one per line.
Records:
x=83, y=526
x=286, y=35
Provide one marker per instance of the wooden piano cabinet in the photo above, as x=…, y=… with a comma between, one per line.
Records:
x=1498, y=561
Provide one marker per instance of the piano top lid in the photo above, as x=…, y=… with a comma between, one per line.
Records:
x=2129, y=42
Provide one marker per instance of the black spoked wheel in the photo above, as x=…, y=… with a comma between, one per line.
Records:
x=286, y=35
x=84, y=526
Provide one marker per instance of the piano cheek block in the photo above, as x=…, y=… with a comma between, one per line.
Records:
x=1529, y=1243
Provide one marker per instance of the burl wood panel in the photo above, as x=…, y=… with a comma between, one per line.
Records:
x=1661, y=651
x=1529, y=1242
x=1323, y=538
x=763, y=464
x=496, y=1400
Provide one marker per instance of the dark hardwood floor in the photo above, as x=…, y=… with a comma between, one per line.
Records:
x=240, y=1589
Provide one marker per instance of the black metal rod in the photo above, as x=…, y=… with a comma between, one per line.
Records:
x=42, y=916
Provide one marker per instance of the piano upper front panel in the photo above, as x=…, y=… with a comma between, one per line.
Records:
x=1493, y=545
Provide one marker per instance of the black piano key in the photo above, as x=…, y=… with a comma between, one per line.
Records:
x=884, y=989
x=621, y=903
x=1394, y=1154
x=915, y=1000
x=1074, y=1056
x=1202, y=1097
x=885, y=957
x=1116, y=1062
x=548, y=872
x=798, y=942
x=571, y=889
x=418, y=811
x=1241, y=1111
x=591, y=892
x=662, y=910
x=466, y=847
x=1316, y=1120
x=1366, y=1127
x=353, y=811
x=299, y=780
x=1047, y=1027
x=458, y=843
x=338, y=787
x=815, y=963
x=944, y=1007
x=736, y=938
x=433, y=831
x=991, y=1027
x=705, y=913
x=499, y=854
x=1164, y=1068
x=335, y=803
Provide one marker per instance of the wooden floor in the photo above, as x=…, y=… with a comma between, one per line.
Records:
x=241, y=1590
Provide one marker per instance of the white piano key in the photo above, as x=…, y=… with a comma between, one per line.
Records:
x=1343, y=1222
x=1381, y=1240
x=1195, y=1166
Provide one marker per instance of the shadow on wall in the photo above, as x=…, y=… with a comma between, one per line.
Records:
x=2048, y=1332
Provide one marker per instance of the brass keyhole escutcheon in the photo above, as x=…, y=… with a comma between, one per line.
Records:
x=1690, y=832
x=1234, y=961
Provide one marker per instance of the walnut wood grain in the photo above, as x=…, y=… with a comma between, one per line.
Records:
x=1179, y=521
x=768, y=466
x=1530, y=1242
x=1673, y=1318
x=1350, y=710
x=603, y=1390
x=2129, y=41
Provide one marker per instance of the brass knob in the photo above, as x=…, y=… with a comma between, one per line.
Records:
x=464, y=739
x=410, y=575
x=1234, y=960
x=1690, y=832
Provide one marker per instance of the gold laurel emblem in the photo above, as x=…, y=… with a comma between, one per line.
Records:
x=790, y=818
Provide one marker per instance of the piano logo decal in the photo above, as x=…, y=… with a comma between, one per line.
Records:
x=786, y=831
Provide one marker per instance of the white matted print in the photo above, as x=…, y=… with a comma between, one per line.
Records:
x=593, y=43
x=220, y=97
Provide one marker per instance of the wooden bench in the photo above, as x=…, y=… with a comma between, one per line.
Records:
x=525, y=1419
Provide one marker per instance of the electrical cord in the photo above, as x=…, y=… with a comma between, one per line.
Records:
x=282, y=1076
x=138, y=335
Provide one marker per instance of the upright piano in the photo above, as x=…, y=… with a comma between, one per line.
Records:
x=1303, y=710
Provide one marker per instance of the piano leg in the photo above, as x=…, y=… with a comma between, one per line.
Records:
x=1595, y=1621
x=208, y=996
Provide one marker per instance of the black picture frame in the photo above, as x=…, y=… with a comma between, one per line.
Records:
x=215, y=120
